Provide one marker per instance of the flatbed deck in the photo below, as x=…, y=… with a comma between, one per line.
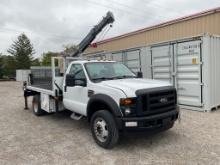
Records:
x=41, y=90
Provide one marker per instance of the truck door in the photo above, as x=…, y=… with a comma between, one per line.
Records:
x=75, y=98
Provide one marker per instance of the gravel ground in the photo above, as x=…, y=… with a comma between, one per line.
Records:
x=57, y=139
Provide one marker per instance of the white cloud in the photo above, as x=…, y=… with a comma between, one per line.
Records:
x=51, y=24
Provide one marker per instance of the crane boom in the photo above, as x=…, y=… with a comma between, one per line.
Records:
x=109, y=18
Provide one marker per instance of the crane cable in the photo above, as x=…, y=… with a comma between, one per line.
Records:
x=100, y=35
x=104, y=33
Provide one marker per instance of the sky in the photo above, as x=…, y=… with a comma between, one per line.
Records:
x=51, y=24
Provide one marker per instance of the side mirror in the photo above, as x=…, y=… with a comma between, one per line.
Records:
x=80, y=82
x=139, y=75
x=72, y=81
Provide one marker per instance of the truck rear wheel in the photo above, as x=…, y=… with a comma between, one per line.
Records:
x=36, y=105
x=104, y=129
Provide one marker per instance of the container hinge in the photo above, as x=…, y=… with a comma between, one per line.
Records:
x=201, y=63
x=173, y=73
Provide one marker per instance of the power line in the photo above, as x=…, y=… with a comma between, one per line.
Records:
x=141, y=15
x=134, y=8
x=163, y=7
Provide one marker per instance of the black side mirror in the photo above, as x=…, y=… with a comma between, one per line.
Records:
x=80, y=82
x=72, y=81
x=139, y=74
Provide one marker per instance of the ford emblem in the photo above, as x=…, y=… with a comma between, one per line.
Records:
x=163, y=100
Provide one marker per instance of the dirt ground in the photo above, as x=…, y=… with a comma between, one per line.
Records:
x=57, y=139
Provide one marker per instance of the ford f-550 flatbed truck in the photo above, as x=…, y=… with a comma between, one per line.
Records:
x=108, y=93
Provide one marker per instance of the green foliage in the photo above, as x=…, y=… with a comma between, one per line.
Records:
x=8, y=66
x=35, y=62
x=22, y=50
x=46, y=57
x=69, y=49
x=46, y=60
x=1, y=66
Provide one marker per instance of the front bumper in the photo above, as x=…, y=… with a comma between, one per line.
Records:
x=148, y=122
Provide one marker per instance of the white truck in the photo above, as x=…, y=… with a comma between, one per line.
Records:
x=110, y=95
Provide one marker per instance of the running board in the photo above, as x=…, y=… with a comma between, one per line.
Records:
x=75, y=116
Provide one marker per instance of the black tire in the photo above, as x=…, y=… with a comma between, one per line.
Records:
x=36, y=106
x=113, y=134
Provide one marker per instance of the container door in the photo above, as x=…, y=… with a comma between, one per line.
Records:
x=132, y=60
x=96, y=56
x=162, y=60
x=117, y=57
x=188, y=72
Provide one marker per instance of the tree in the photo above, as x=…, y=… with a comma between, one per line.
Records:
x=22, y=50
x=69, y=49
x=1, y=66
x=35, y=62
x=8, y=66
x=46, y=60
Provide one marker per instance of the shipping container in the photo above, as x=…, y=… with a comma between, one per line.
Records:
x=192, y=65
x=22, y=74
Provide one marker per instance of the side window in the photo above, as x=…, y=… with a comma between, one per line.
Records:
x=77, y=71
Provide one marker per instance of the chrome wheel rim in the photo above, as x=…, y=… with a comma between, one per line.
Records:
x=101, y=129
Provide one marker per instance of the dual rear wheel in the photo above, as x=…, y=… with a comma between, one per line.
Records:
x=36, y=106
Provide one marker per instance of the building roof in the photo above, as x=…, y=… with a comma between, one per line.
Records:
x=192, y=16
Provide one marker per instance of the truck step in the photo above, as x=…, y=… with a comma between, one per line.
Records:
x=76, y=116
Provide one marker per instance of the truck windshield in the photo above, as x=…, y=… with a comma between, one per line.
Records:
x=100, y=71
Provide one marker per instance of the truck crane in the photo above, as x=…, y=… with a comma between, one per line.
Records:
x=107, y=93
x=108, y=19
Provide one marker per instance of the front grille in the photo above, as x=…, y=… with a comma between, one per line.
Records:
x=156, y=100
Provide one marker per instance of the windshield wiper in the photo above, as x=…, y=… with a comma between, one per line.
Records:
x=124, y=76
x=103, y=78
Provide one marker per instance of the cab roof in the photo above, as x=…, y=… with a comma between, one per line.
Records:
x=91, y=61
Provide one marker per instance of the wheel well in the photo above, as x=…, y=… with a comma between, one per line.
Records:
x=96, y=106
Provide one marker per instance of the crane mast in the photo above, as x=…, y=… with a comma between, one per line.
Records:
x=108, y=19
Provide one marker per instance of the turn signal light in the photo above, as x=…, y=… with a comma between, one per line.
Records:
x=127, y=101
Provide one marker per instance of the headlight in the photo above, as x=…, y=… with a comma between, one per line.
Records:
x=127, y=111
x=128, y=106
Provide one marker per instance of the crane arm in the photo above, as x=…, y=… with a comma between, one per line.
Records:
x=109, y=18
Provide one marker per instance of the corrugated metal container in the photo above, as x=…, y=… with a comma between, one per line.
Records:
x=192, y=66
x=22, y=74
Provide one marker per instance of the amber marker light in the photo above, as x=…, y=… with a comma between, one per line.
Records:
x=127, y=101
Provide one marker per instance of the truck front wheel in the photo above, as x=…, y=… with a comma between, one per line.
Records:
x=104, y=129
x=36, y=105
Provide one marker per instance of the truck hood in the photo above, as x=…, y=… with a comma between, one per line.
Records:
x=130, y=86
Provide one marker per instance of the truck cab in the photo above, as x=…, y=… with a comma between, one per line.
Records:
x=114, y=99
